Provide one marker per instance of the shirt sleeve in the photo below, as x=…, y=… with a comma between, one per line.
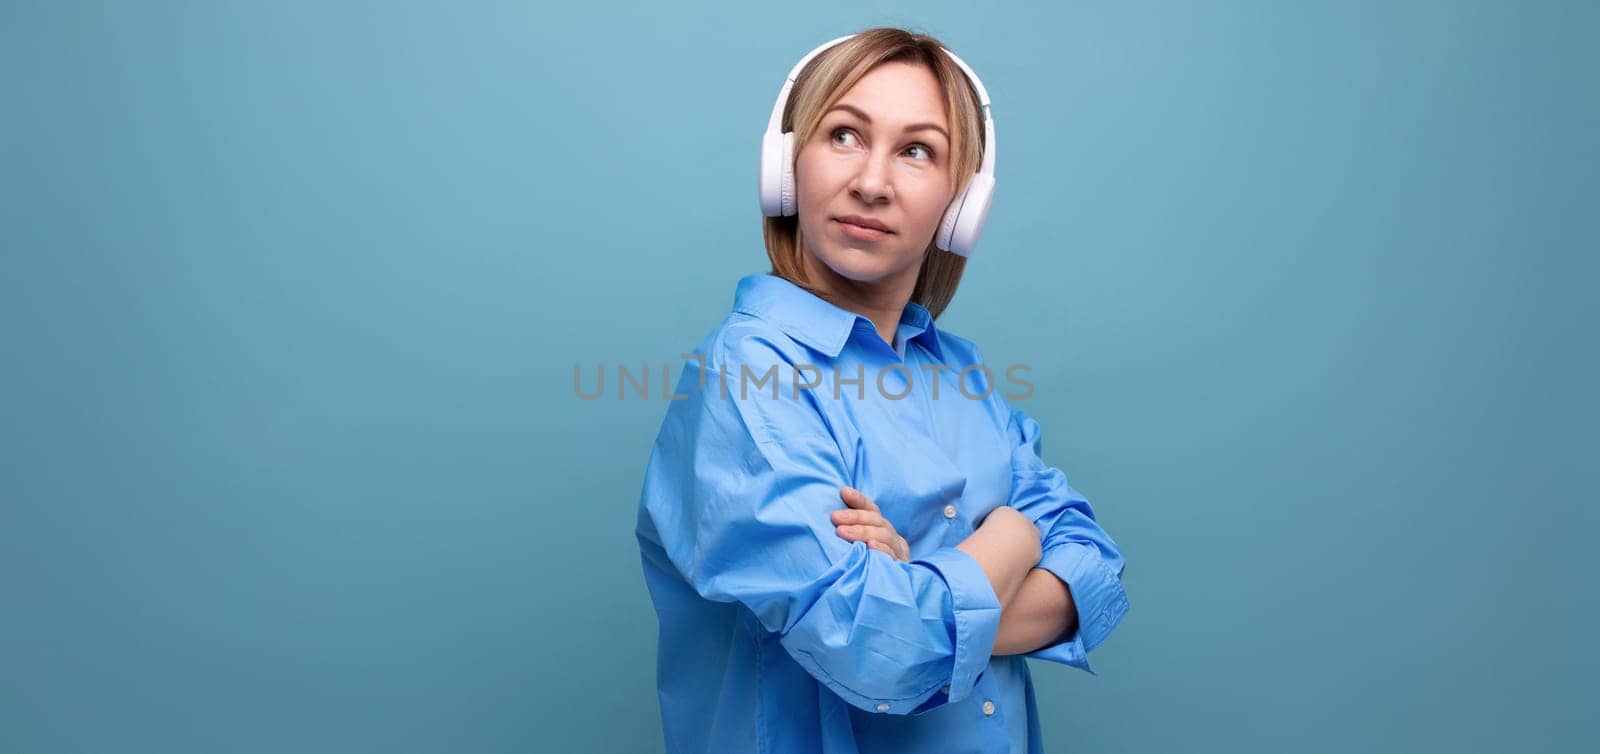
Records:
x=741, y=488
x=1075, y=548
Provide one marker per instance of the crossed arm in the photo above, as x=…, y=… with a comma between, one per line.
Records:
x=1036, y=606
x=1041, y=614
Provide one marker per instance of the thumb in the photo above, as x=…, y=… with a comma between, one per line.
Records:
x=856, y=499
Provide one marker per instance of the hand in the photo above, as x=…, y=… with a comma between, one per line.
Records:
x=861, y=521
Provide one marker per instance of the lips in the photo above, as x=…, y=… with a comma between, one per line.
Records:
x=865, y=222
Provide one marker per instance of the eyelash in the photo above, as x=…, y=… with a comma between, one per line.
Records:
x=931, y=154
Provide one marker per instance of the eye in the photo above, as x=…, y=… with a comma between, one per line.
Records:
x=834, y=134
x=841, y=130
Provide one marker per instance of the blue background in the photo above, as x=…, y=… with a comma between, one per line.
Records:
x=292, y=294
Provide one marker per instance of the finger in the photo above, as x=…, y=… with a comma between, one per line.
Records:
x=866, y=518
x=855, y=533
x=893, y=556
x=870, y=534
x=891, y=545
x=883, y=548
x=856, y=499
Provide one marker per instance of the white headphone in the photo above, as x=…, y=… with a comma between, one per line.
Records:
x=963, y=220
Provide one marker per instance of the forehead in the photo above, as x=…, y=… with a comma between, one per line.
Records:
x=897, y=93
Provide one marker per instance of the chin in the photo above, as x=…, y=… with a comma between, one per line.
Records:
x=860, y=265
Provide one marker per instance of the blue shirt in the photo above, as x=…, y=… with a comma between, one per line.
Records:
x=779, y=636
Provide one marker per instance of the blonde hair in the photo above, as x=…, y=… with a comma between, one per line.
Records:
x=823, y=82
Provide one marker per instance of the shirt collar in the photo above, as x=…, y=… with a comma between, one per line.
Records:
x=817, y=323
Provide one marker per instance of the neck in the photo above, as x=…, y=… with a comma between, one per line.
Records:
x=882, y=301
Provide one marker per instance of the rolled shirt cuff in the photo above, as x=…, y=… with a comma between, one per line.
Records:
x=1097, y=594
x=977, y=616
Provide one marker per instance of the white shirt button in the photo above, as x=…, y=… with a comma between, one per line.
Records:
x=988, y=708
x=883, y=708
x=949, y=511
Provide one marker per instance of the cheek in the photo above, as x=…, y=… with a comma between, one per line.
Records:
x=816, y=175
x=931, y=203
x=816, y=184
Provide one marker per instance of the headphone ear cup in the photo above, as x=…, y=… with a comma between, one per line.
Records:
x=790, y=201
x=947, y=223
x=770, y=178
x=964, y=220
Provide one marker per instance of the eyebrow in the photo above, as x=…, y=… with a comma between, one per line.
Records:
x=913, y=127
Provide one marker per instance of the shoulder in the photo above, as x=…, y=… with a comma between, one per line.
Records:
x=739, y=395
x=958, y=351
x=744, y=340
x=744, y=355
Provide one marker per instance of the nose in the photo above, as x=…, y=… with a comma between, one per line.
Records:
x=871, y=182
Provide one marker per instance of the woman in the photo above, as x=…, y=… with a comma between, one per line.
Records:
x=849, y=537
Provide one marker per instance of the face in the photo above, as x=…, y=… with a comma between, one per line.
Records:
x=880, y=154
